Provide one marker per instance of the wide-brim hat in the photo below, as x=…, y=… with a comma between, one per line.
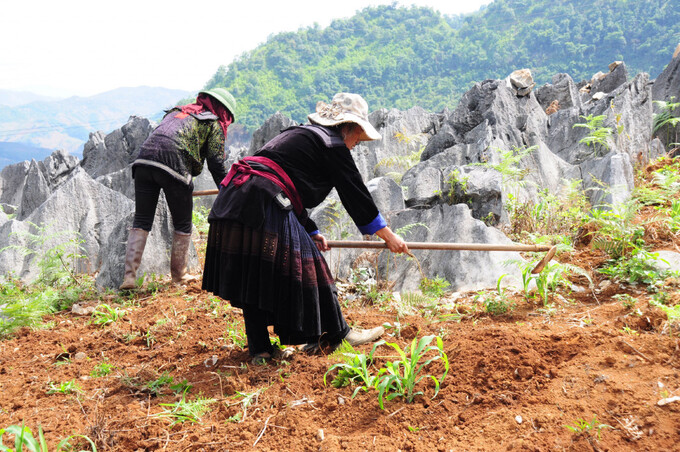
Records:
x=344, y=108
x=224, y=97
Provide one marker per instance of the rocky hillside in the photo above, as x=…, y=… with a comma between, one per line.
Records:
x=508, y=143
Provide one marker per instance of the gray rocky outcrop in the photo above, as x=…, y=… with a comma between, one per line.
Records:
x=386, y=193
x=404, y=134
x=104, y=154
x=273, y=126
x=667, y=89
x=465, y=270
x=561, y=89
x=27, y=184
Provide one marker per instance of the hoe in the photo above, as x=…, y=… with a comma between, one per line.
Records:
x=550, y=251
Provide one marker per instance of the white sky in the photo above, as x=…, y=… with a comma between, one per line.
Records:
x=86, y=47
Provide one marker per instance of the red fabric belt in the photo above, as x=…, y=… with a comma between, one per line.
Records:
x=241, y=171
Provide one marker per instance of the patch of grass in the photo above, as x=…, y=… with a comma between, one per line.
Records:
x=634, y=269
x=626, y=300
x=434, y=287
x=186, y=411
x=102, y=369
x=495, y=303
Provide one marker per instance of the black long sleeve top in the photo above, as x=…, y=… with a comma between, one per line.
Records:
x=317, y=160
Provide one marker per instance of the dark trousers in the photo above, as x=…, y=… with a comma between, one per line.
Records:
x=148, y=183
x=256, y=331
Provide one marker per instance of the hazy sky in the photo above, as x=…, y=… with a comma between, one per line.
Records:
x=85, y=47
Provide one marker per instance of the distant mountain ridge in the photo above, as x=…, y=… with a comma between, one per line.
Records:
x=9, y=98
x=27, y=131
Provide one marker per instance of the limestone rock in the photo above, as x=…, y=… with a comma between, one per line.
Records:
x=522, y=82
x=386, y=193
x=273, y=126
x=104, y=154
x=465, y=270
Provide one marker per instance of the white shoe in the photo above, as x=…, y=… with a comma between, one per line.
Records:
x=359, y=337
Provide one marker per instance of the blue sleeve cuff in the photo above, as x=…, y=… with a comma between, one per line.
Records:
x=313, y=233
x=377, y=224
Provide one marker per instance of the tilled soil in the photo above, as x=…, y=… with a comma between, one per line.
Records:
x=516, y=382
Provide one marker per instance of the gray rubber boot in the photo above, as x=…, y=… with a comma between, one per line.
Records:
x=133, y=256
x=179, y=257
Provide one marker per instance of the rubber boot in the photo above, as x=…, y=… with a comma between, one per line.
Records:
x=133, y=256
x=179, y=256
x=360, y=337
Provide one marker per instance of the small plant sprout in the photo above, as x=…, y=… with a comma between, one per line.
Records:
x=626, y=300
x=67, y=387
x=581, y=427
x=104, y=315
x=155, y=386
x=246, y=401
x=496, y=303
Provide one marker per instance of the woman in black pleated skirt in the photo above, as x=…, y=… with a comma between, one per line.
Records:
x=264, y=253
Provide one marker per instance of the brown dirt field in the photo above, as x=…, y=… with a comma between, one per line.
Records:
x=516, y=381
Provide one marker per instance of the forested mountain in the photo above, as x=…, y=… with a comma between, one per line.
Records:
x=399, y=57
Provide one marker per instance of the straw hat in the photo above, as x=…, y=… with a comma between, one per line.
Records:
x=345, y=107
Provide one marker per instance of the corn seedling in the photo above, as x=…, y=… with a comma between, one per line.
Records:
x=24, y=440
x=400, y=378
x=354, y=370
x=554, y=275
x=185, y=411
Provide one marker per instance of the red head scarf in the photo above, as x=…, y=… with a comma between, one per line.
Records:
x=206, y=102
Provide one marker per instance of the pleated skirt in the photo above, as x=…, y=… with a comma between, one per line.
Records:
x=277, y=269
